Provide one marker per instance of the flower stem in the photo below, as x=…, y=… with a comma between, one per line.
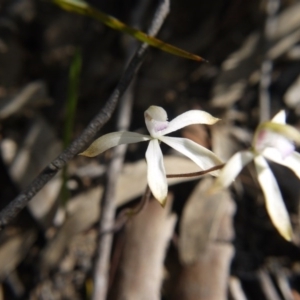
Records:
x=195, y=174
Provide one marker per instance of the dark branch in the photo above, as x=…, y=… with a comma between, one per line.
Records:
x=16, y=205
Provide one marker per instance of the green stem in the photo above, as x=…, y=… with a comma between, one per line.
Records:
x=71, y=105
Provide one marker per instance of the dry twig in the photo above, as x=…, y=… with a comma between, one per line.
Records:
x=267, y=64
x=17, y=204
x=108, y=203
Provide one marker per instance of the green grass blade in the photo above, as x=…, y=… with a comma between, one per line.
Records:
x=70, y=112
x=83, y=8
x=72, y=97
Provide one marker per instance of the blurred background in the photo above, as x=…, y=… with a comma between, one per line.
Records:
x=57, y=70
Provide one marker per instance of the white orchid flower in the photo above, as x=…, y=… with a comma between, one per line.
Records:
x=272, y=140
x=158, y=126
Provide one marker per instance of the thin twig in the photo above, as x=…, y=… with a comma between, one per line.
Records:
x=127, y=213
x=196, y=174
x=235, y=289
x=267, y=286
x=107, y=223
x=108, y=200
x=267, y=64
x=283, y=284
x=17, y=204
x=108, y=205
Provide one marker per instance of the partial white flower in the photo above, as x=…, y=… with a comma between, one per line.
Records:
x=158, y=126
x=273, y=140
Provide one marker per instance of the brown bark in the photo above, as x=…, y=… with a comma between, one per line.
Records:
x=140, y=271
x=204, y=246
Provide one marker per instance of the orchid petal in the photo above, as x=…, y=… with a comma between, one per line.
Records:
x=269, y=139
x=156, y=172
x=280, y=117
x=285, y=130
x=232, y=168
x=189, y=118
x=291, y=161
x=203, y=157
x=274, y=202
x=113, y=139
x=156, y=120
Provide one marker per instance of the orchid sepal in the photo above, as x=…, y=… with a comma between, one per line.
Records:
x=274, y=202
x=156, y=173
x=284, y=130
x=189, y=118
x=113, y=139
x=200, y=155
x=292, y=161
x=280, y=117
x=231, y=169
